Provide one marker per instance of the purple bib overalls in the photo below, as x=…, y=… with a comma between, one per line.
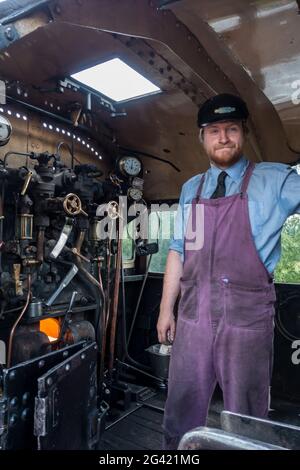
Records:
x=224, y=330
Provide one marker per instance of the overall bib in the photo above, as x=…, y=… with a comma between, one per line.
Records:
x=224, y=330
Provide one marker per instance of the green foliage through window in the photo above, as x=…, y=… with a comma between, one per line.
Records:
x=161, y=228
x=288, y=268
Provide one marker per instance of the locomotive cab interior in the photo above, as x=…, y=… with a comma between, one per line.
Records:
x=91, y=166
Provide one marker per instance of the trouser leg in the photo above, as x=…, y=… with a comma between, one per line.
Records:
x=244, y=367
x=187, y=403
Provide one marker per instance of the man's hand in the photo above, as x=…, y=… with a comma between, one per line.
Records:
x=166, y=323
x=166, y=327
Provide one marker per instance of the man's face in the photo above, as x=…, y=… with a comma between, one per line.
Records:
x=223, y=142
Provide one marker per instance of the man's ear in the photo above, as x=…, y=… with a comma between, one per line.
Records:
x=201, y=135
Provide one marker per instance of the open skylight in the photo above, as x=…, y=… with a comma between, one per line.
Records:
x=116, y=80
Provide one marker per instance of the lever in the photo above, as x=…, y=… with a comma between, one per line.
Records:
x=63, y=238
x=64, y=283
x=67, y=316
x=26, y=183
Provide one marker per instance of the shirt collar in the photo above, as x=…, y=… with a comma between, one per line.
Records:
x=236, y=171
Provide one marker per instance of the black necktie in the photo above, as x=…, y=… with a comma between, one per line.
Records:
x=220, y=189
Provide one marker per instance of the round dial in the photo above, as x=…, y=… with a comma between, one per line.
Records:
x=135, y=194
x=5, y=130
x=130, y=166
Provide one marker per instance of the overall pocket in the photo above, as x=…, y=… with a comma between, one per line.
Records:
x=188, y=304
x=249, y=307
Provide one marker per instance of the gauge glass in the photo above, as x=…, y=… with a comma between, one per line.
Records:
x=130, y=166
x=135, y=194
x=5, y=130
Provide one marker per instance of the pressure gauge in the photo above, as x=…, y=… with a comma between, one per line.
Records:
x=135, y=194
x=130, y=166
x=5, y=130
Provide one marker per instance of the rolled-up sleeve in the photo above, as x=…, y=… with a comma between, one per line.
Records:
x=289, y=192
x=177, y=241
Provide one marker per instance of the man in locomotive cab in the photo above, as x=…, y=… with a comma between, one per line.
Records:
x=224, y=330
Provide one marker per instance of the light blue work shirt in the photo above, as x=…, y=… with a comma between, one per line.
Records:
x=273, y=195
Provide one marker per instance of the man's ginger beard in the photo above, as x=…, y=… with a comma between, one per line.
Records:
x=224, y=154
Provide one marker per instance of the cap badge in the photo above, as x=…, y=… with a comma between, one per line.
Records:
x=224, y=110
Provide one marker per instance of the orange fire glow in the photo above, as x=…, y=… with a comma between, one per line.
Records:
x=51, y=327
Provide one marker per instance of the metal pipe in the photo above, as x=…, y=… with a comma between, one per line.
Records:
x=139, y=300
x=1, y=221
x=12, y=332
x=71, y=151
x=115, y=306
x=40, y=244
x=80, y=240
x=137, y=365
x=54, y=116
x=22, y=154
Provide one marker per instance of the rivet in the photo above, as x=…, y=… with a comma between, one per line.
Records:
x=41, y=363
x=13, y=419
x=82, y=356
x=49, y=381
x=12, y=375
x=25, y=414
x=67, y=367
x=14, y=401
x=25, y=398
x=65, y=354
x=9, y=33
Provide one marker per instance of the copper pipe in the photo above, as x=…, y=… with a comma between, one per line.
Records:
x=12, y=332
x=103, y=322
x=115, y=307
x=79, y=241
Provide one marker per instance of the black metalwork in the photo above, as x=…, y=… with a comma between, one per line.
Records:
x=280, y=434
x=67, y=400
x=18, y=398
x=203, y=438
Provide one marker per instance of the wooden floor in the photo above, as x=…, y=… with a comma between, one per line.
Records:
x=140, y=427
x=141, y=430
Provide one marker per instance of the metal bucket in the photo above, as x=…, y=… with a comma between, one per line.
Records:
x=159, y=359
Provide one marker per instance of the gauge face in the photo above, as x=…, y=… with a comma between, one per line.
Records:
x=135, y=194
x=5, y=130
x=130, y=166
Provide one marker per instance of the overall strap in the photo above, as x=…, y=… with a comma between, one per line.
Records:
x=200, y=186
x=247, y=177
